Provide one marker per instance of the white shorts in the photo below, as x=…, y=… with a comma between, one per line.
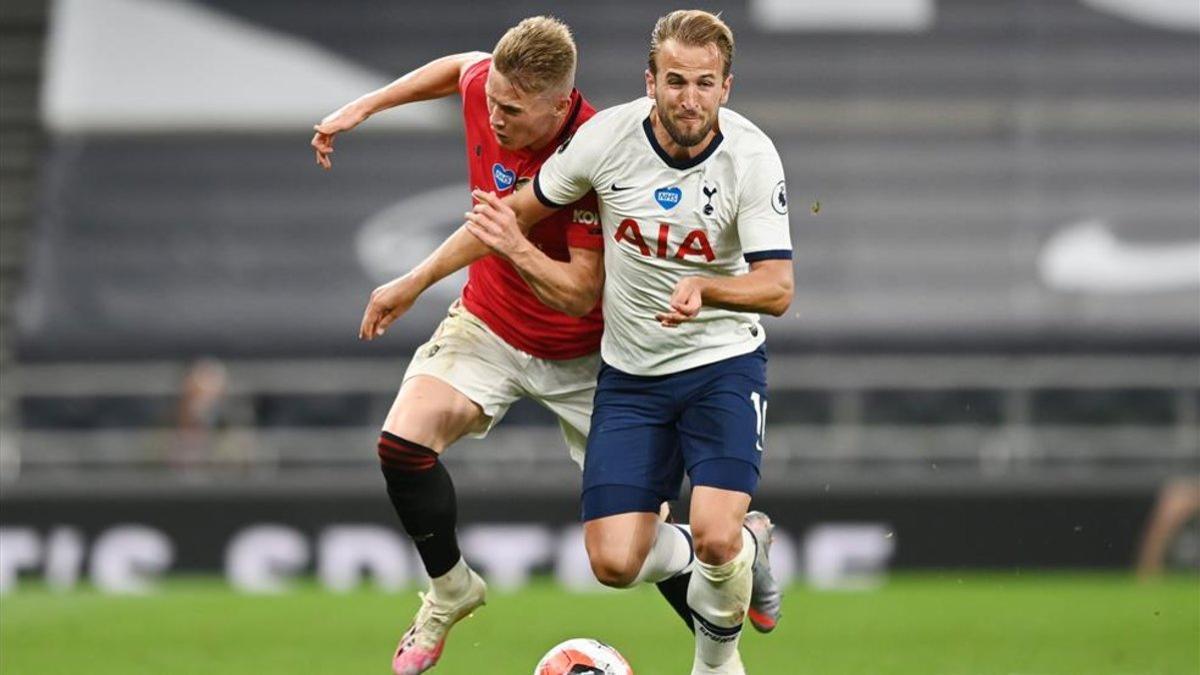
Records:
x=465, y=354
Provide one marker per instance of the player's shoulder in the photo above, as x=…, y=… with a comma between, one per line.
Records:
x=474, y=73
x=608, y=127
x=743, y=137
x=601, y=132
x=619, y=118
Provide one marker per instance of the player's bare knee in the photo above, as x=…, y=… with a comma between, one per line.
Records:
x=612, y=565
x=716, y=546
x=432, y=413
x=615, y=571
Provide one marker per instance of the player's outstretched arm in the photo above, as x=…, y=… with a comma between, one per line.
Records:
x=435, y=79
x=571, y=287
x=766, y=289
x=391, y=300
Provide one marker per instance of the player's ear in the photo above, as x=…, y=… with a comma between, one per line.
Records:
x=726, y=87
x=649, y=83
x=562, y=106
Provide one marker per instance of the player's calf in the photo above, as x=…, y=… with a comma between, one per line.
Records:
x=718, y=596
x=422, y=494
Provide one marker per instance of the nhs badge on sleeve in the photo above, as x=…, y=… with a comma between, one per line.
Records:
x=668, y=198
x=503, y=177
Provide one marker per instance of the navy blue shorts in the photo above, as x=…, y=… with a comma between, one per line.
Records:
x=646, y=431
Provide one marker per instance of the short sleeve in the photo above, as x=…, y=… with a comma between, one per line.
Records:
x=763, y=209
x=567, y=175
x=583, y=226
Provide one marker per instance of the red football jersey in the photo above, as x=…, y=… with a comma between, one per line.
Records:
x=495, y=292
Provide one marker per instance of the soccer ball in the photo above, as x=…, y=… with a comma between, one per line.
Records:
x=581, y=656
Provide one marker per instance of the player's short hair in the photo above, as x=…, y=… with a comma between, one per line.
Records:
x=694, y=28
x=537, y=55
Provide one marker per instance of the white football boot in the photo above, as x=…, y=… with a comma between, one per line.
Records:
x=422, y=645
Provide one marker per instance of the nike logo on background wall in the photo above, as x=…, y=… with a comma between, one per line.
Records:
x=620, y=189
x=1088, y=257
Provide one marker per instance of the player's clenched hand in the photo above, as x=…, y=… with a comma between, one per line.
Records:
x=388, y=303
x=495, y=224
x=685, y=302
x=343, y=119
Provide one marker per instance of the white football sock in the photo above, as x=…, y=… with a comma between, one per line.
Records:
x=718, y=596
x=453, y=583
x=671, y=554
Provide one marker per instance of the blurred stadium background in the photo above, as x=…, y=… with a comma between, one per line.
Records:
x=993, y=360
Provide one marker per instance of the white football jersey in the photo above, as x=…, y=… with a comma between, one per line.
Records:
x=665, y=219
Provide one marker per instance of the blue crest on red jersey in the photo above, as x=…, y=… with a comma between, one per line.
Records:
x=504, y=177
x=668, y=198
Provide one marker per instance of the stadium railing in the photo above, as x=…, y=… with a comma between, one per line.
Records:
x=876, y=422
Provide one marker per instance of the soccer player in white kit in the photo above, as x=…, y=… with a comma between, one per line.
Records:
x=697, y=244
x=500, y=343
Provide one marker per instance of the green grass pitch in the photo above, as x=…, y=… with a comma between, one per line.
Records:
x=946, y=623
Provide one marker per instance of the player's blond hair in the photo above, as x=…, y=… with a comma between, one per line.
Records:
x=693, y=28
x=537, y=56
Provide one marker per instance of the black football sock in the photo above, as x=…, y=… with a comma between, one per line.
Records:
x=423, y=495
x=675, y=591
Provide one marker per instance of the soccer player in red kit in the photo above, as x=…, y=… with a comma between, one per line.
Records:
x=499, y=342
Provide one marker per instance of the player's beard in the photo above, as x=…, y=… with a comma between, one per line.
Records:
x=681, y=137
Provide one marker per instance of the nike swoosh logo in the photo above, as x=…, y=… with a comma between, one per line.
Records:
x=1087, y=257
x=621, y=189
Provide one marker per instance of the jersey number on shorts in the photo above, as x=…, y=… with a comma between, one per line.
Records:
x=760, y=412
